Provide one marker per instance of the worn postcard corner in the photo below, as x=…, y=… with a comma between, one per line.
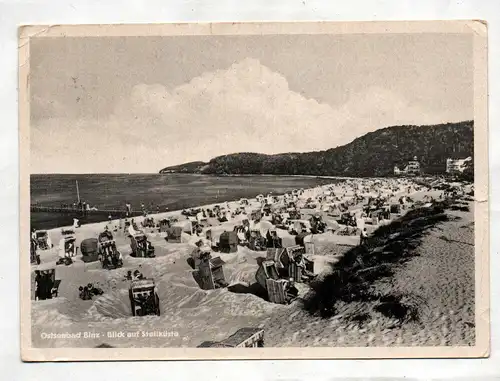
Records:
x=480, y=26
x=306, y=190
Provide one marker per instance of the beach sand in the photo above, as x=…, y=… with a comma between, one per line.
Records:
x=440, y=279
x=443, y=275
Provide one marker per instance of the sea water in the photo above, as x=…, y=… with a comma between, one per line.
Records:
x=155, y=191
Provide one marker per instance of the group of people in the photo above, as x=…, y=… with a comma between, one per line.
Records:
x=64, y=261
x=110, y=255
x=146, y=303
x=137, y=275
x=144, y=245
x=131, y=227
x=145, y=211
x=81, y=206
x=88, y=291
x=34, y=246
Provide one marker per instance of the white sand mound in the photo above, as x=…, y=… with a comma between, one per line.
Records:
x=114, y=304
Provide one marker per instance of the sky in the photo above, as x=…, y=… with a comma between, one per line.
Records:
x=139, y=104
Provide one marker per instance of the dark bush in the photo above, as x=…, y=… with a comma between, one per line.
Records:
x=402, y=307
x=460, y=208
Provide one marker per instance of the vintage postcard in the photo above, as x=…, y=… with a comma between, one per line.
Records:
x=254, y=191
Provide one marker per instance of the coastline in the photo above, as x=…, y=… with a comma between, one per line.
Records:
x=168, y=192
x=177, y=213
x=166, y=214
x=272, y=175
x=164, y=191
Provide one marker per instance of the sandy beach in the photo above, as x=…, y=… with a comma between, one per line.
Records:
x=190, y=315
x=440, y=278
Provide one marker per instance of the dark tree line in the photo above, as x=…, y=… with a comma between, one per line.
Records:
x=374, y=154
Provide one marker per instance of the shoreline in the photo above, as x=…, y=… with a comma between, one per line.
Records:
x=246, y=188
x=229, y=175
x=165, y=214
x=144, y=187
x=178, y=212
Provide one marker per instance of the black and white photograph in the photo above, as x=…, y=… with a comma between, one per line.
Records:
x=259, y=190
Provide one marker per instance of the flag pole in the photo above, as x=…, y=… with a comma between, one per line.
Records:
x=77, y=191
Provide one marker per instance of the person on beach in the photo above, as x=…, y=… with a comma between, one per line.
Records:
x=363, y=237
x=85, y=293
x=38, y=287
x=48, y=284
x=131, y=230
x=134, y=225
x=70, y=249
x=138, y=275
x=106, y=232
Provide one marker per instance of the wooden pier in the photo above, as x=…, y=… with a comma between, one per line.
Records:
x=114, y=213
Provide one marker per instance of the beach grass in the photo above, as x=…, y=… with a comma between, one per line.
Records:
x=388, y=247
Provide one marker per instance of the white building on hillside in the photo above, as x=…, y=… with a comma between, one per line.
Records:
x=454, y=166
x=412, y=168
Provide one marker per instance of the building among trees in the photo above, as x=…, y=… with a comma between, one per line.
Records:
x=456, y=166
x=412, y=168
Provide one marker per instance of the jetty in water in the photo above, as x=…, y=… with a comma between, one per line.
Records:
x=83, y=210
x=114, y=213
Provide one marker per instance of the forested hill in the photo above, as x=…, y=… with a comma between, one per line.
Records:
x=373, y=154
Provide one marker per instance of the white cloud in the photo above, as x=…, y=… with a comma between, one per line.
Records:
x=244, y=108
